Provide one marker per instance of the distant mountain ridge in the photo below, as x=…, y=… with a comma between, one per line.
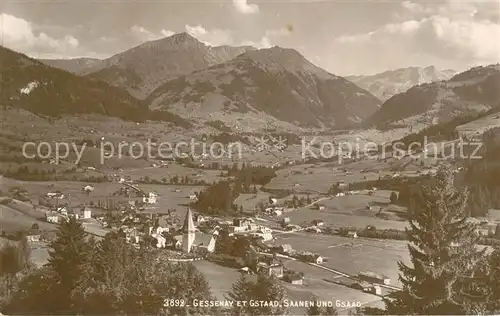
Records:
x=143, y=68
x=471, y=91
x=77, y=65
x=276, y=82
x=389, y=83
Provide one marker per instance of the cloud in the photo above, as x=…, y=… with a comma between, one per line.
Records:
x=452, y=33
x=20, y=35
x=212, y=37
x=166, y=33
x=269, y=37
x=142, y=34
x=243, y=7
x=196, y=31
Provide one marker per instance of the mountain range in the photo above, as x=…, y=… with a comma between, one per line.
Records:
x=31, y=85
x=180, y=79
x=388, y=83
x=469, y=92
x=277, y=82
x=143, y=68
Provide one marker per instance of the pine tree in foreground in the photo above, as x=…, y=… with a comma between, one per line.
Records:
x=487, y=285
x=442, y=251
x=266, y=289
x=314, y=310
x=68, y=259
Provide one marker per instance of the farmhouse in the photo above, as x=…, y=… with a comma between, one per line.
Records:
x=375, y=289
x=285, y=220
x=53, y=217
x=149, y=198
x=313, y=229
x=245, y=270
x=55, y=195
x=275, y=269
x=85, y=213
x=318, y=222
x=318, y=259
x=161, y=242
x=352, y=234
x=277, y=212
x=285, y=248
x=363, y=286
x=295, y=279
x=373, y=277
x=88, y=188
x=242, y=225
x=33, y=236
x=198, y=218
x=264, y=233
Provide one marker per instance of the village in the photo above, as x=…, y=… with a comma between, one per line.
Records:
x=282, y=237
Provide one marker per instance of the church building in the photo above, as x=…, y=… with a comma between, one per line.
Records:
x=192, y=240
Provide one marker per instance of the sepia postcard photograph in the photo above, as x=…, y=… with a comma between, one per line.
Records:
x=249, y=157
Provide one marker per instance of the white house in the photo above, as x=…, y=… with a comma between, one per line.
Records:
x=318, y=259
x=53, y=218
x=55, y=195
x=264, y=233
x=352, y=234
x=87, y=213
x=161, y=241
x=88, y=188
x=149, y=198
x=277, y=212
x=318, y=222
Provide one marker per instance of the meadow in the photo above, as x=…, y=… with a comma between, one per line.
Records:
x=351, y=255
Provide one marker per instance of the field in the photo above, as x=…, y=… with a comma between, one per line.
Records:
x=318, y=178
x=350, y=255
x=172, y=170
x=221, y=280
x=15, y=216
x=167, y=198
x=479, y=126
x=351, y=211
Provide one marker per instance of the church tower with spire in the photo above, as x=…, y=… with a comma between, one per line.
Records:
x=188, y=232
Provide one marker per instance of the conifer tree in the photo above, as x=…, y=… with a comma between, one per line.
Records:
x=441, y=246
x=314, y=310
x=487, y=285
x=268, y=289
x=331, y=311
x=265, y=289
x=68, y=259
x=241, y=291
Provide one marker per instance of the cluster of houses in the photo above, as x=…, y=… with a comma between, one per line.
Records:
x=277, y=270
x=59, y=214
x=166, y=233
x=247, y=226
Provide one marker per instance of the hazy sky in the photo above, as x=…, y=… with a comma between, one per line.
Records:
x=344, y=37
